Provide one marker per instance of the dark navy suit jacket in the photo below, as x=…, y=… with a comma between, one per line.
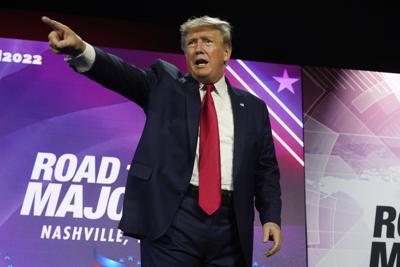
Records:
x=162, y=166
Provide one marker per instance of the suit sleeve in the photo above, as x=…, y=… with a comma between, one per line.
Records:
x=123, y=78
x=268, y=191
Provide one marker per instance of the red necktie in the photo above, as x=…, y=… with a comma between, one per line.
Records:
x=209, y=159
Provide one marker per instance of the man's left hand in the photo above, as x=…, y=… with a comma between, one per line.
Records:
x=273, y=230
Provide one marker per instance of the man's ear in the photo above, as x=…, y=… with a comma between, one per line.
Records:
x=227, y=55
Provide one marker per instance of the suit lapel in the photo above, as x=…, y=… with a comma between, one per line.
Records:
x=239, y=120
x=193, y=105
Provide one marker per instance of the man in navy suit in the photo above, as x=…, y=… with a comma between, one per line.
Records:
x=170, y=202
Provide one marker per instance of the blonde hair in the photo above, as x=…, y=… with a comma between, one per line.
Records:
x=195, y=23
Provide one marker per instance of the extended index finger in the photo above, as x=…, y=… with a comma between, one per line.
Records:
x=53, y=23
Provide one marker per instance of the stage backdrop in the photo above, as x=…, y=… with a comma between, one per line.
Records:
x=352, y=146
x=66, y=143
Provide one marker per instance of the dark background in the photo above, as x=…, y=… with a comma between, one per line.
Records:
x=348, y=34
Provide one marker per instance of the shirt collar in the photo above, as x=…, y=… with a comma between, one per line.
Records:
x=220, y=86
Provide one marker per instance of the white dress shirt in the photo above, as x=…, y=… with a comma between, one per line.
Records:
x=223, y=108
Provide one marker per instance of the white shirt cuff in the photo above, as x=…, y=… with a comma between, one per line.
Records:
x=84, y=61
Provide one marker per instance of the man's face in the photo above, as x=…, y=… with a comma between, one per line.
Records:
x=205, y=54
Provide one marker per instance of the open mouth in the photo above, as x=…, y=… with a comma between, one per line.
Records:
x=201, y=62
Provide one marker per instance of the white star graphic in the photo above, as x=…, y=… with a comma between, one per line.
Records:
x=285, y=82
